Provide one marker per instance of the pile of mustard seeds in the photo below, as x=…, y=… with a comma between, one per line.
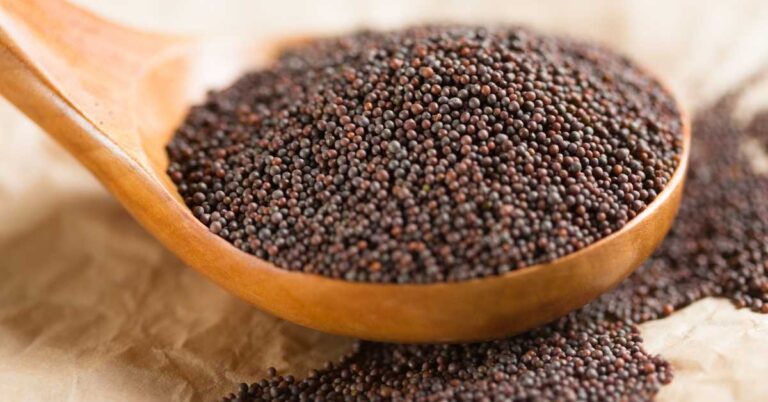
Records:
x=429, y=154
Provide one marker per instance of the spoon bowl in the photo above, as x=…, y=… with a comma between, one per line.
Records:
x=113, y=96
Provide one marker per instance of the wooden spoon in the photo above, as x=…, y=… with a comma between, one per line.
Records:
x=112, y=96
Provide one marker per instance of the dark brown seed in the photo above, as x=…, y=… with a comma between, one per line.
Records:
x=427, y=72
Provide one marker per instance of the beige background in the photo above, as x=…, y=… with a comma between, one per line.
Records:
x=92, y=308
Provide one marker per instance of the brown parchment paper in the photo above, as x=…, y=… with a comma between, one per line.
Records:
x=93, y=309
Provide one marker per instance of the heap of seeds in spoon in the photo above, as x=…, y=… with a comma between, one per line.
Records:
x=717, y=247
x=429, y=154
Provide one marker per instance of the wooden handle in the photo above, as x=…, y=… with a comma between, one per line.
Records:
x=72, y=72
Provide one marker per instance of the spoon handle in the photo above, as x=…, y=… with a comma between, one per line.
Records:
x=71, y=72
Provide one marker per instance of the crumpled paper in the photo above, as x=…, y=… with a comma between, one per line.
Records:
x=92, y=308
